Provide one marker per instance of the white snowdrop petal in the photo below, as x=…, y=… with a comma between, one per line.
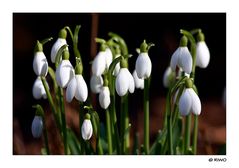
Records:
x=37, y=127
x=122, y=82
x=96, y=83
x=40, y=64
x=166, y=75
x=139, y=83
x=71, y=90
x=108, y=57
x=86, y=129
x=38, y=90
x=104, y=97
x=142, y=65
x=56, y=46
x=196, y=103
x=81, y=89
x=185, y=60
x=131, y=82
x=64, y=73
x=185, y=103
x=99, y=64
x=202, y=55
x=174, y=59
x=117, y=67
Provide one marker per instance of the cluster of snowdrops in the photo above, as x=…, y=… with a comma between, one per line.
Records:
x=110, y=78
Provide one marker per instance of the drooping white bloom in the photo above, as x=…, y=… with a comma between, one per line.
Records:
x=56, y=46
x=38, y=90
x=104, y=97
x=101, y=62
x=182, y=58
x=202, y=54
x=124, y=82
x=37, y=126
x=96, y=83
x=77, y=88
x=64, y=73
x=143, y=65
x=86, y=129
x=168, y=77
x=139, y=83
x=40, y=64
x=189, y=102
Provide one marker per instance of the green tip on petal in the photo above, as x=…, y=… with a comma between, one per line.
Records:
x=103, y=47
x=189, y=83
x=200, y=37
x=87, y=116
x=62, y=33
x=38, y=47
x=143, y=47
x=183, y=41
x=106, y=82
x=78, y=69
x=65, y=55
x=123, y=63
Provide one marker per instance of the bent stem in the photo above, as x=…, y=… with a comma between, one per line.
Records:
x=195, y=134
x=108, y=127
x=146, y=116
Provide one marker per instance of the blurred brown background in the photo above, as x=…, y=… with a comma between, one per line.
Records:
x=159, y=28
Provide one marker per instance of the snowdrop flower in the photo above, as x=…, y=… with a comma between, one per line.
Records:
x=168, y=77
x=58, y=44
x=37, y=127
x=202, y=52
x=124, y=80
x=40, y=64
x=189, y=101
x=139, y=83
x=104, y=97
x=65, y=71
x=182, y=57
x=38, y=90
x=86, y=128
x=143, y=64
x=96, y=83
x=77, y=87
x=102, y=61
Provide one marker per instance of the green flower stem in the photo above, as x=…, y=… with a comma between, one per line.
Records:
x=195, y=134
x=81, y=119
x=113, y=114
x=108, y=127
x=146, y=116
x=50, y=100
x=187, y=134
x=45, y=137
x=126, y=125
x=63, y=119
x=170, y=134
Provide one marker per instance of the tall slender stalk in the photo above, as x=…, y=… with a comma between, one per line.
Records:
x=108, y=127
x=146, y=116
x=81, y=119
x=50, y=100
x=45, y=137
x=126, y=125
x=63, y=118
x=187, y=134
x=195, y=134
